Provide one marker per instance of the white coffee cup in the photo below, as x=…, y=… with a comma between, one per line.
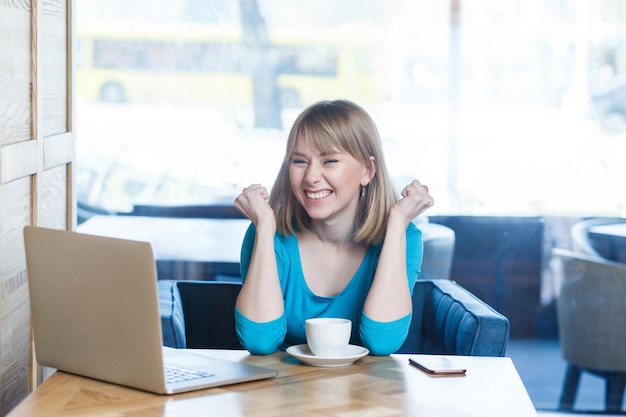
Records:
x=328, y=337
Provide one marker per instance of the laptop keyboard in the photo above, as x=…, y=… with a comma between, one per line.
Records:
x=174, y=374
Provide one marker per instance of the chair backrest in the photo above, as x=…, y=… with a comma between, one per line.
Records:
x=439, y=243
x=448, y=319
x=580, y=234
x=591, y=311
x=209, y=310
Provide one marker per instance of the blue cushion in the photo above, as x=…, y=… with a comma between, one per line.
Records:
x=172, y=317
x=448, y=319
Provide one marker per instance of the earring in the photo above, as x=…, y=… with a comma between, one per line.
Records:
x=362, y=191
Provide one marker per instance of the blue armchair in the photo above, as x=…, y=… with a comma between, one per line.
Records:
x=447, y=319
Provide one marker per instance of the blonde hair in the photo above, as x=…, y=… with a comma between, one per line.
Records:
x=328, y=126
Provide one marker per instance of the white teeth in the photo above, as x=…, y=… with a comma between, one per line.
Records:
x=318, y=195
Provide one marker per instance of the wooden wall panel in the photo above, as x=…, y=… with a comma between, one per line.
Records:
x=54, y=67
x=58, y=150
x=53, y=198
x=18, y=160
x=15, y=200
x=37, y=149
x=15, y=74
x=15, y=209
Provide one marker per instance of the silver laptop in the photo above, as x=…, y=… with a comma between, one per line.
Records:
x=95, y=313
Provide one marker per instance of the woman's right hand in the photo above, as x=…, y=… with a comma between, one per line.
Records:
x=260, y=298
x=253, y=203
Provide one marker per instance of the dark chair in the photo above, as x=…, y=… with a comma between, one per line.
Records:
x=199, y=314
x=206, y=211
x=447, y=319
x=85, y=211
x=591, y=310
x=580, y=235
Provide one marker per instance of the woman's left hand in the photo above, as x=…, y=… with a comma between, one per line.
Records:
x=415, y=200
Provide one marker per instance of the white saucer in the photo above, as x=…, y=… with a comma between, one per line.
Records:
x=351, y=355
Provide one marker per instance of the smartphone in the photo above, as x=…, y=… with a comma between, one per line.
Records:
x=434, y=365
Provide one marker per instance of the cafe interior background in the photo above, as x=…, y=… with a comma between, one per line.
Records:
x=511, y=111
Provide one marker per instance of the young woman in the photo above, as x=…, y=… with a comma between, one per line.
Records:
x=332, y=240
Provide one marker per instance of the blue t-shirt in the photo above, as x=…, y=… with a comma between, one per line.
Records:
x=381, y=338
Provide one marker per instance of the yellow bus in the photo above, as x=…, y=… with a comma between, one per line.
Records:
x=210, y=64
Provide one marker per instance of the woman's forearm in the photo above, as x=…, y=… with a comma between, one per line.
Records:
x=389, y=297
x=260, y=298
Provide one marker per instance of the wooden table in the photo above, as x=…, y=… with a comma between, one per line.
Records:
x=184, y=248
x=373, y=386
x=610, y=240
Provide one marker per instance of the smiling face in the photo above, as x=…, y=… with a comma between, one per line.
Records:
x=333, y=148
x=327, y=184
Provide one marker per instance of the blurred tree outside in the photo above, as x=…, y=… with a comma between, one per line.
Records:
x=263, y=64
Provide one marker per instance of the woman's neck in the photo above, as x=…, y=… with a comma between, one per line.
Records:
x=337, y=232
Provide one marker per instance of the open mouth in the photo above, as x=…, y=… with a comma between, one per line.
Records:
x=318, y=195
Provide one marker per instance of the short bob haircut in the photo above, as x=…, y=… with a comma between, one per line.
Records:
x=337, y=126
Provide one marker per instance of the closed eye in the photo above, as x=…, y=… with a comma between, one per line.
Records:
x=297, y=161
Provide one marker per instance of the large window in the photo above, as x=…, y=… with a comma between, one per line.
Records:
x=500, y=106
